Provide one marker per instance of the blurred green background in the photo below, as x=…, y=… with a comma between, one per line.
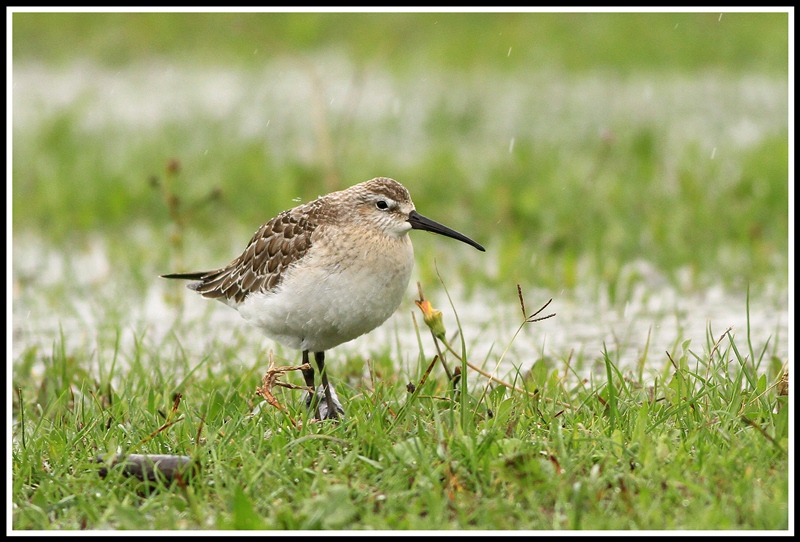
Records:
x=571, y=144
x=621, y=43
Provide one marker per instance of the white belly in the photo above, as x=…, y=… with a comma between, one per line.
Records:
x=318, y=306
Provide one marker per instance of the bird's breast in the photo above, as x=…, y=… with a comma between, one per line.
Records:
x=338, y=292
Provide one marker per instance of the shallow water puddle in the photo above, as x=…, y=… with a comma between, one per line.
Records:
x=81, y=298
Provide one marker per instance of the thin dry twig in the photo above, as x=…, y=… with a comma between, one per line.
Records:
x=176, y=401
x=157, y=431
x=199, y=438
x=761, y=430
x=719, y=341
x=401, y=413
x=672, y=361
x=270, y=380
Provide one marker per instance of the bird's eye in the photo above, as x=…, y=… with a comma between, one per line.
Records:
x=382, y=205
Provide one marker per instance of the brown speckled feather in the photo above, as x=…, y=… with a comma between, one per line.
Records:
x=260, y=268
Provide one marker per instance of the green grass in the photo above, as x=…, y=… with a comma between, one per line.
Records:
x=704, y=447
x=573, y=146
x=737, y=42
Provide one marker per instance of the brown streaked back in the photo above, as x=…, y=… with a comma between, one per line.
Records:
x=260, y=268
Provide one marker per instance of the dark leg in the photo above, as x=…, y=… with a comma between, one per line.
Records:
x=334, y=408
x=308, y=376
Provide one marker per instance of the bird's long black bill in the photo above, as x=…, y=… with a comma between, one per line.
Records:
x=419, y=222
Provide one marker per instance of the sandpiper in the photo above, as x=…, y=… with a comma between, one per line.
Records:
x=325, y=272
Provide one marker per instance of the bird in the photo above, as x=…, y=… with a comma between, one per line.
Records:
x=324, y=273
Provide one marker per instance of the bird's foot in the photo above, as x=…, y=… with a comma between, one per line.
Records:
x=323, y=410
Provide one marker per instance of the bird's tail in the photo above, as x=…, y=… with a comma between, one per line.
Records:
x=197, y=275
